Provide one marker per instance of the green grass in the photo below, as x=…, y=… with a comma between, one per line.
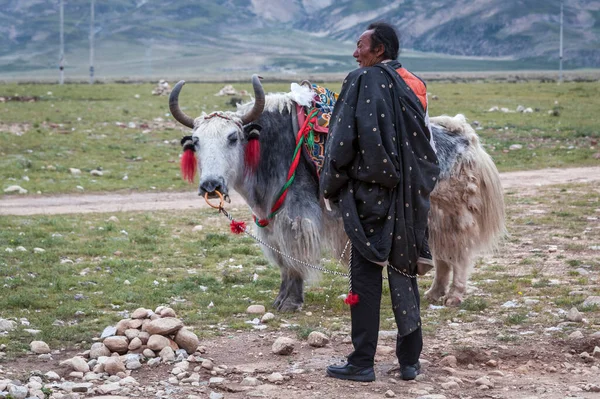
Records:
x=86, y=127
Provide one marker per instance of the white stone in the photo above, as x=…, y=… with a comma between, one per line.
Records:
x=197, y=228
x=267, y=317
x=591, y=301
x=484, y=381
x=133, y=365
x=98, y=349
x=17, y=391
x=117, y=344
x=52, y=376
x=250, y=381
x=157, y=342
x=574, y=315
x=76, y=363
x=216, y=381
x=275, y=377
x=215, y=395
x=108, y=388
x=7, y=325
x=15, y=189
x=139, y=313
x=167, y=354
x=128, y=381
x=450, y=385
x=108, y=332
x=75, y=171
x=283, y=346
x=576, y=335
x=317, y=339
x=255, y=309
x=187, y=340
x=96, y=172
x=135, y=343
x=164, y=326
x=112, y=365
x=39, y=347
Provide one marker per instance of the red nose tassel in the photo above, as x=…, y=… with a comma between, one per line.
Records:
x=252, y=155
x=189, y=165
x=237, y=227
x=351, y=299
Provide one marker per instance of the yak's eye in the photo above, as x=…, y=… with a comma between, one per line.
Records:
x=232, y=138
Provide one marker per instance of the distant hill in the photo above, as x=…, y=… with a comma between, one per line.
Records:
x=232, y=38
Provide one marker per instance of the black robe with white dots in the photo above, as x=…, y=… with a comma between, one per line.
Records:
x=380, y=166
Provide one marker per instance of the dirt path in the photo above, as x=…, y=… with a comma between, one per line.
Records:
x=99, y=203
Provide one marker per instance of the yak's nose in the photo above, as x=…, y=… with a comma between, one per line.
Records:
x=211, y=185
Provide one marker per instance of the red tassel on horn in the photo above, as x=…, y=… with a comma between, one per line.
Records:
x=189, y=165
x=252, y=154
x=351, y=299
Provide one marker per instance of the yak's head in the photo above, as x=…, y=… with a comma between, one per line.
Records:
x=223, y=145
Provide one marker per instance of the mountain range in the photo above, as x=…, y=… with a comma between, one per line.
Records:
x=231, y=38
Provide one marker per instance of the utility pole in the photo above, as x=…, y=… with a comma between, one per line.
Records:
x=61, y=57
x=92, y=43
x=560, y=56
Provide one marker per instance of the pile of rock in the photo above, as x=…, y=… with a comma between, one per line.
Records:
x=229, y=90
x=147, y=336
x=157, y=336
x=162, y=88
x=519, y=108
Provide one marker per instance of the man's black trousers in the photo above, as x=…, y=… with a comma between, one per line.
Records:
x=367, y=283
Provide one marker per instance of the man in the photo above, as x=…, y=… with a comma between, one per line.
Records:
x=380, y=169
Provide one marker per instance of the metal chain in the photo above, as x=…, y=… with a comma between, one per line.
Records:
x=304, y=263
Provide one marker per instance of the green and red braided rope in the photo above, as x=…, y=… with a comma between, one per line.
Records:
x=305, y=132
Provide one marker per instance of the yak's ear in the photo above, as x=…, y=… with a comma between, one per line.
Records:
x=187, y=142
x=252, y=131
x=252, y=151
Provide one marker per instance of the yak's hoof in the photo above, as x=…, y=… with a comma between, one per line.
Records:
x=434, y=296
x=452, y=301
x=288, y=306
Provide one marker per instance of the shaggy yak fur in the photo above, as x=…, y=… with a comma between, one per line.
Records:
x=467, y=206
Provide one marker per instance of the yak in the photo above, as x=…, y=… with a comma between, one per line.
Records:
x=467, y=206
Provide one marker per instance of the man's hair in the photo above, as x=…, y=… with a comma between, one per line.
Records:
x=385, y=34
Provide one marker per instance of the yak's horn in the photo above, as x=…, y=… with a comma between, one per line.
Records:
x=259, y=101
x=177, y=113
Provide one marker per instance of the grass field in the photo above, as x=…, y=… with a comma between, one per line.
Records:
x=93, y=268
x=127, y=133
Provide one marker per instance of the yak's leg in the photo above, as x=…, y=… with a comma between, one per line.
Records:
x=294, y=298
x=440, y=281
x=291, y=292
x=283, y=288
x=459, y=283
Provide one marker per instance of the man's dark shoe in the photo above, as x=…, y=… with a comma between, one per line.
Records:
x=350, y=372
x=410, y=372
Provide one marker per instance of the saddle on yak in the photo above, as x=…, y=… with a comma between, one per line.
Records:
x=323, y=102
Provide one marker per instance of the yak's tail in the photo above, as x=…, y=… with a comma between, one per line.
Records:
x=467, y=214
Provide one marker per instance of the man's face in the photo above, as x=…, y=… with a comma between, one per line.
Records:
x=363, y=54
